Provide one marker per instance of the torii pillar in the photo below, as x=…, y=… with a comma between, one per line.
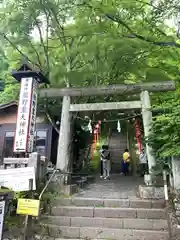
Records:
x=63, y=154
x=147, y=122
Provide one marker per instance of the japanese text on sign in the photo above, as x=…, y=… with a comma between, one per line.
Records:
x=23, y=116
x=32, y=122
x=28, y=207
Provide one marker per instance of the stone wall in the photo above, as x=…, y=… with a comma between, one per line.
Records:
x=173, y=222
x=151, y=192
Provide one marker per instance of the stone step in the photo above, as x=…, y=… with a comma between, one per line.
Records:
x=139, y=224
x=105, y=233
x=99, y=202
x=104, y=212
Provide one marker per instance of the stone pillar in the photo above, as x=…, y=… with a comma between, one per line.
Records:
x=176, y=170
x=34, y=161
x=64, y=136
x=147, y=122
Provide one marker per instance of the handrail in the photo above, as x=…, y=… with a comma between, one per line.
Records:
x=50, y=179
x=47, y=183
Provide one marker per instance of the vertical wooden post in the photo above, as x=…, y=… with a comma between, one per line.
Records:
x=147, y=121
x=64, y=135
x=28, y=219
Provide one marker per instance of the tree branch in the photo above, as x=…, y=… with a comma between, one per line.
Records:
x=46, y=46
x=141, y=37
x=17, y=49
x=51, y=121
x=35, y=51
x=133, y=34
x=149, y=4
x=42, y=43
x=61, y=36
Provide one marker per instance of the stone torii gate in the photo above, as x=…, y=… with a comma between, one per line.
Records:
x=67, y=108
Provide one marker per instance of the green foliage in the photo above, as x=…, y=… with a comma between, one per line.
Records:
x=165, y=138
x=95, y=162
x=83, y=43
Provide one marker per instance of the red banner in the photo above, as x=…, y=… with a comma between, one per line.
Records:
x=96, y=133
x=138, y=134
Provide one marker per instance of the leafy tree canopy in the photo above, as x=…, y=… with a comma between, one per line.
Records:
x=87, y=43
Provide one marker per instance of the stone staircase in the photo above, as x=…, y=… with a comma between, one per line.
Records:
x=117, y=145
x=115, y=219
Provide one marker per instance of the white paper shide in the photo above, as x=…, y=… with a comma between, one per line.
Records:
x=23, y=116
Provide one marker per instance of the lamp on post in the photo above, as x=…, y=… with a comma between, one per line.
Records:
x=26, y=117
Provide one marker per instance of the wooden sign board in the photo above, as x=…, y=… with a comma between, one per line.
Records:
x=28, y=207
x=23, y=115
x=16, y=160
x=17, y=179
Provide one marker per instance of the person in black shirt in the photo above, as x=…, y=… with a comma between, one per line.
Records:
x=101, y=160
x=105, y=157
